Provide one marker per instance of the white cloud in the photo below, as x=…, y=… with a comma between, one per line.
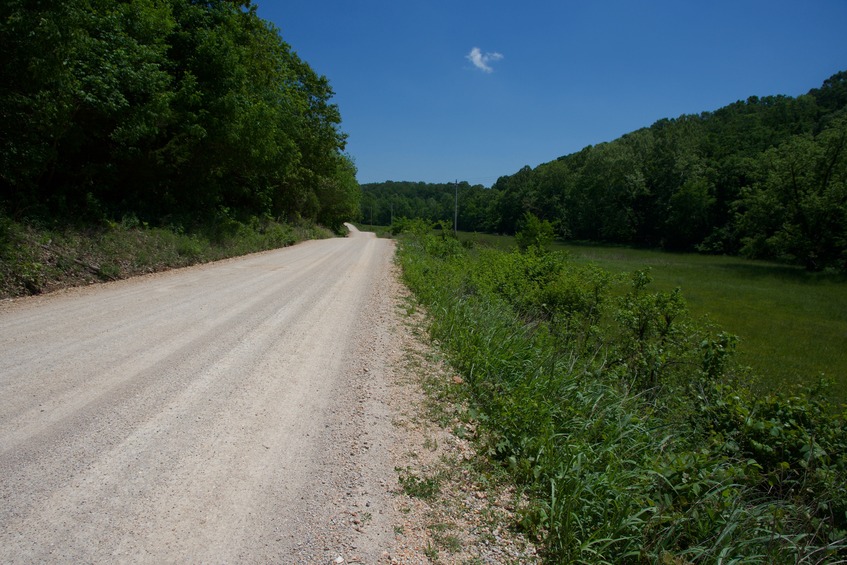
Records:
x=481, y=60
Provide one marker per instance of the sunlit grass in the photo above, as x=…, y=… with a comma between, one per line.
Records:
x=792, y=324
x=615, y=418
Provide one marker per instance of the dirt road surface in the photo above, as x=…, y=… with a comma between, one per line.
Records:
x=226, y=413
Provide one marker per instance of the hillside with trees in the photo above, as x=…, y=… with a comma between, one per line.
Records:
x=762, y=178
x=383, y=202
x=171, y=112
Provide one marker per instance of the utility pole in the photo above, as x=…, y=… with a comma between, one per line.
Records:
x=456, y=212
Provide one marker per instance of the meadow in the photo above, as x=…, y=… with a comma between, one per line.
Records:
x=792, y=324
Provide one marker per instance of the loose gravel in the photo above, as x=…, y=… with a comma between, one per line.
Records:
x=254, y=410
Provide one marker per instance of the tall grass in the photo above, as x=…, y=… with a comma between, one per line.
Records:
x=792, y=324
x=625, y=422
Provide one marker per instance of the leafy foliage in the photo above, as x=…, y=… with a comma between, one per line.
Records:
x=797, y=209
x=763, y=177
x=625, y=421
x=170, y=110
x=534, y=233
x=36, y=258
x=384, y=202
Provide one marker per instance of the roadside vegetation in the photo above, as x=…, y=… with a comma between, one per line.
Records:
x=35, y=258
x=142, y=135
x=632, y=432
x=791, y=324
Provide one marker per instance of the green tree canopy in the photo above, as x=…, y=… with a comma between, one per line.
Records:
x=762, y=177
x=165, y=108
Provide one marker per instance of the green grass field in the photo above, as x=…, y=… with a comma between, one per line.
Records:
x=792, y=324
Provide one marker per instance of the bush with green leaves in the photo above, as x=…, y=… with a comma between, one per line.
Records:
x=625, y=422
x=534, y=233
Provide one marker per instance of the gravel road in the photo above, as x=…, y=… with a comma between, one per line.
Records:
x=231, y=412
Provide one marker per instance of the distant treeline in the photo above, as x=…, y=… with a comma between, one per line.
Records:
x=166, y=110
x=382, y=202
x=764, y=178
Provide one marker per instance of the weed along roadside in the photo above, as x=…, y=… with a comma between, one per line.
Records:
x=35, y=259
x=626, y=426
x=456, y=506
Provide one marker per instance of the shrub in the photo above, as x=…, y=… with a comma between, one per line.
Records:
x=533, y=233
x=623, y=420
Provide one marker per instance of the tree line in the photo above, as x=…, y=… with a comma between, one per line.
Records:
x=167, y=110
x=763, y=178
x=383, y=202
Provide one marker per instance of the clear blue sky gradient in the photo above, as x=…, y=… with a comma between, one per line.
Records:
x=572, y=73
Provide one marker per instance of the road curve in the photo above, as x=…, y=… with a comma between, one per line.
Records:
x=192, y=416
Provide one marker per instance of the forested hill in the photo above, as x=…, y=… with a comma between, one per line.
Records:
x=168, y=111
x=381, y=202
x=764, y=177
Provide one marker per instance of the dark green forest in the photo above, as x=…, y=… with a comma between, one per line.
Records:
x=171, y=112
x=762, y=178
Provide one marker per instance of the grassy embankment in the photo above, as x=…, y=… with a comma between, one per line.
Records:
x=624, y=420
x=792, y=324
x=36, y=258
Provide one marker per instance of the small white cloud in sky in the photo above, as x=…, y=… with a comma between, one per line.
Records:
x=481, y=60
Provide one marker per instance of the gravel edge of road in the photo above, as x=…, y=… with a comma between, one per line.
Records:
x=454, y=504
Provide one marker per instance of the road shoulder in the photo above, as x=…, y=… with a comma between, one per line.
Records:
x=443, y=502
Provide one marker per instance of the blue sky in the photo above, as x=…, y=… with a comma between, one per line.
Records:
x=551, y=77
